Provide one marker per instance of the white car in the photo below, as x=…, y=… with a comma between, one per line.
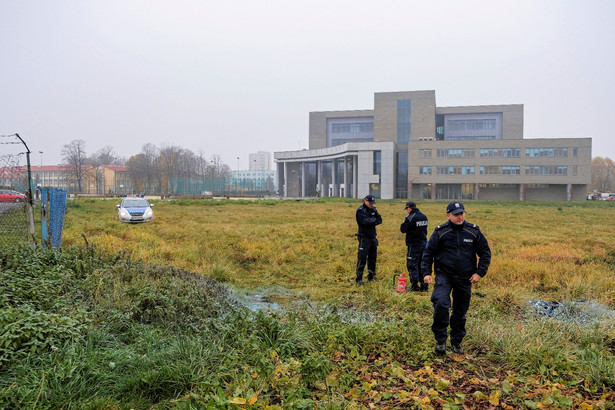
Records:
x=135, y=210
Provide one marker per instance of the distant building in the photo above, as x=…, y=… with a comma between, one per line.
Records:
x=260, y=161
x=253, y=182
x=100, y=180
x=407, y=147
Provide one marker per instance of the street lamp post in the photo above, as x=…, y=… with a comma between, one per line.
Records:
x=41, y=152
x=212, y=178
x=237, y=177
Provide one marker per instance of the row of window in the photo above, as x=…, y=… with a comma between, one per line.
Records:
x=499, y=170
x=458, y=125
x=352, y=127
x=548, y=152
x=500, y=153
x=455, y=153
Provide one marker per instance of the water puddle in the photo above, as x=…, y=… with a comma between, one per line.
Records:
x=581, y=312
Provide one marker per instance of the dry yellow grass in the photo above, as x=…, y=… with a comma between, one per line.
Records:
x=549, y=250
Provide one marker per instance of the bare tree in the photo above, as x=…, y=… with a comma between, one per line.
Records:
x=75, y=161
x=603, y=173
x=143, y=169
x=104, y=156
x=169, y=166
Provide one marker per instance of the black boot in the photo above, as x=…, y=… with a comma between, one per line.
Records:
x=424, y=287
x=414, y=286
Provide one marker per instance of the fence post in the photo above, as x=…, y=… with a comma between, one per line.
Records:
x=44, y=228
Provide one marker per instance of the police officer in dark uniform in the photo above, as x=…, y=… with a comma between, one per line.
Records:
x=453, y=248
x=415, y=228
x=367, y=219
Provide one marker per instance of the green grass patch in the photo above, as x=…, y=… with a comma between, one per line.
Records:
x=154, y=315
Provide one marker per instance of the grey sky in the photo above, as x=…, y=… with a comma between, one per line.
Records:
x=235, y=77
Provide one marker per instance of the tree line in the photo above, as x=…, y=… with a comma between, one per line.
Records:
x=154, y=169
x=603, y=173
x=157, y=169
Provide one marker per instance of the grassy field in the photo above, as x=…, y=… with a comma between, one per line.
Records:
x=561, y=251
x=331, y=345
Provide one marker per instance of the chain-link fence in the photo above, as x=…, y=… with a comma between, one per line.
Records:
x=14, y=197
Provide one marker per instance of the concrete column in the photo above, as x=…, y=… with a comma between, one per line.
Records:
x=302, y=165
x=569, y=192
x=319, y=178
x=346, y=187
x=476, y=191
x=355, y=177
x=434, y=191
x=285, y=194
x=334, y=186
x=521, y=192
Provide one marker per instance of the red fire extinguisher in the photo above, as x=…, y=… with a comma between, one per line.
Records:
x=400, y=282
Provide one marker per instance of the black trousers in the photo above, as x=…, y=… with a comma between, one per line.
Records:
x=461, y=290
x=367, y=254
x=413, y=263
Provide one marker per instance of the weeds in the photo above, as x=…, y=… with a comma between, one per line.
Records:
x=136, y=329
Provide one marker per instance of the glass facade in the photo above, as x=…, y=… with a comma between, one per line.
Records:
x=377, y=162
x=402, y=175
x=350, y=129
x=403, y=121
x=463, y=127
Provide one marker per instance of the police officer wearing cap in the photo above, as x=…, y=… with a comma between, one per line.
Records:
x=367, y=219
x=453, y=249
x=415, y=228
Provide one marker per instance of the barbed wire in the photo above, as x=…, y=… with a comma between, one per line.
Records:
x=18, y=141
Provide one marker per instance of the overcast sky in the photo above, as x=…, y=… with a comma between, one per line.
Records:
x=230, y=77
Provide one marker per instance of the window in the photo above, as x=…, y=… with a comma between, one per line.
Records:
x=425, y=170
x=546, y=170
x=377, y=162
x=500, y=152
x=455, y=153
x=352, y=127
x=575, y=152
x=341, y=130
x=476, y=124
x=403, y=121
x=470, y=137
x=455, y=170
x=424, y=153
x=499, y=170
x=546, y=152
x=402, y=175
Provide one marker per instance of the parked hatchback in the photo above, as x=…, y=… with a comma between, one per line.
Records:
x=135, y=210
x=8, y=195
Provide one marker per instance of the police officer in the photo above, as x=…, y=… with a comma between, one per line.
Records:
x=367, y=219
x=453, y=248
x=415, y=228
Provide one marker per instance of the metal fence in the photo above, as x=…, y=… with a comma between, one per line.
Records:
x=14, y=223
x=53, y=208
x=14, y=212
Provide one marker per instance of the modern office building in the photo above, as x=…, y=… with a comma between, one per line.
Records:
x=260, y=161
x=407, y=147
